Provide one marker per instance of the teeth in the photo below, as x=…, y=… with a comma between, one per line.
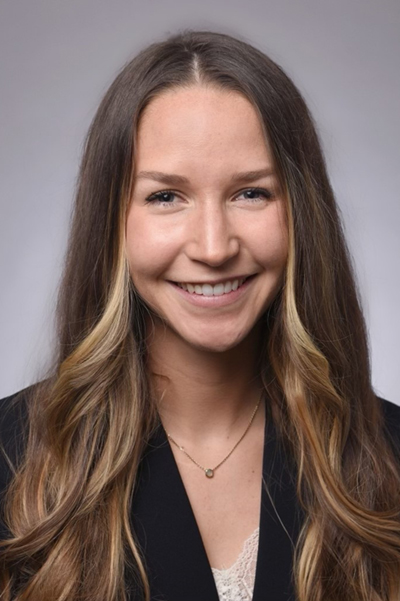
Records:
x=219, y=289
x=209, y=290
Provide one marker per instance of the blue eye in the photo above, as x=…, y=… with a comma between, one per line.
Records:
x=166, y=197
x=256, y=193
x=162, y=197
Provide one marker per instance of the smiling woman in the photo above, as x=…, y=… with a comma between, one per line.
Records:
x=209, y=429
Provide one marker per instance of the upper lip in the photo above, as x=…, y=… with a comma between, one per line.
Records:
x=214, y=282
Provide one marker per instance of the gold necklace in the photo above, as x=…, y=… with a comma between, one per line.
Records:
x=209, y=472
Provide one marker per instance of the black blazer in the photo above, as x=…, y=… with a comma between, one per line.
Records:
x=166, y=529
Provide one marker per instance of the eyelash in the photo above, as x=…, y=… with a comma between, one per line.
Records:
x=155, y=198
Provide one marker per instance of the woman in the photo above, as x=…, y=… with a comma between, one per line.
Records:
x=210, y=405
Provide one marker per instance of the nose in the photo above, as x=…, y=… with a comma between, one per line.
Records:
x=212, y=239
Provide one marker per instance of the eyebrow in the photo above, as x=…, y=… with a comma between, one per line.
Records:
x=172, y=179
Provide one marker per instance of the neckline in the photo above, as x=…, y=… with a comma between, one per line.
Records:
x=268, y=435
x=246, y=543
x=161, y=513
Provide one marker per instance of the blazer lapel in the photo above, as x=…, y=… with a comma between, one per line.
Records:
x=280, y=521
x=167, y=531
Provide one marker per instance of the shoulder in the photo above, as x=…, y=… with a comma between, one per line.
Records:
x=391, y=425
x=13, y=429
x=391, y=414
x=391, y=417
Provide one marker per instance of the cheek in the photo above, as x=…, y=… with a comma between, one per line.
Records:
x=149, y=249
x=269, y=241
x=277, y=251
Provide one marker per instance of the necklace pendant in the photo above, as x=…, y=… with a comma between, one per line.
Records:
x=209, y=473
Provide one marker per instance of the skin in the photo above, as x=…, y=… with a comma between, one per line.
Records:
x=207, y=230
x=206, y=135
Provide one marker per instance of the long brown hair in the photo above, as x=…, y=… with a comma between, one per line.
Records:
x=68, y=506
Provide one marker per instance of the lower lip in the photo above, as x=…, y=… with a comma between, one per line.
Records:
x=214, y=301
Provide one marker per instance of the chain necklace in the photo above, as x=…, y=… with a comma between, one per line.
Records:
x=209, y=472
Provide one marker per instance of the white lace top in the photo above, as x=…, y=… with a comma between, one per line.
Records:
x=236, y=583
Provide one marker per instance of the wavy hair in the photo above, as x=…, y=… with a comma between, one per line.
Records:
x=68, y=505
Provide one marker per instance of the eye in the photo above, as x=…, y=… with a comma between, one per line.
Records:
x=256, y=194
x=163, y=197
x=167, y=197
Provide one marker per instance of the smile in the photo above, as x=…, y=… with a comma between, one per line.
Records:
x=212, y=290
x=214, y=295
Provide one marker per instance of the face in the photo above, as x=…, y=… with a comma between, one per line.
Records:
x=206, y=231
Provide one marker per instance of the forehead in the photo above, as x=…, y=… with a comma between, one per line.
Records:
x=200, y=123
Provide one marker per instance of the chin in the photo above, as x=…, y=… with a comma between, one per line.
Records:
x=213, y=348
x=214, y=342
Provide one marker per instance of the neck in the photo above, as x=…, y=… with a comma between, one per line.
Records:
x=204, y=395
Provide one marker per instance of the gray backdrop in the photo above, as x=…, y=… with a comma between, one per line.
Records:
x=58, y=57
